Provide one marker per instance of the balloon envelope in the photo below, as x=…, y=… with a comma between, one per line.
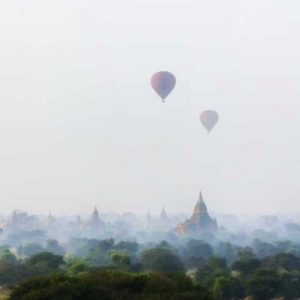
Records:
x=163, y=83
x=209, y=119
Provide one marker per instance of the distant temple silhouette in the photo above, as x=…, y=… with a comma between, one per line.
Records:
x=163, y=216
x=95, y=221
x=199, y=223
x=158, y=224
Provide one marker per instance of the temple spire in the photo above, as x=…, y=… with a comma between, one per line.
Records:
x=163, y=214
x=95, y=216
x=95, y=221
x=201, y=206
x=200, y=200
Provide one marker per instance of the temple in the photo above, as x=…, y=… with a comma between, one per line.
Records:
x=199, y=223
x=95, y=221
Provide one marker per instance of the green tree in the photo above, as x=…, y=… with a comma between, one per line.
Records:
x=217, y=263
x=161, y=260
x=61, y=288
x=222, y=288
x=74, y=265
x=225, y=288
x=130, y=247
x=8, y=273
x=198, y=248
x=196, y=253
x=8, y=267
x=225, y=250
x=30, y=249
x=263, y=284
x=8, y=257
x=99, y=252
x=111, y=285
x=50, y=260
x=284, y=261
x=215, y=267
x=263, y=249
x=54, y=247
x=290, y=284
x=246, y=265
x=121, y=261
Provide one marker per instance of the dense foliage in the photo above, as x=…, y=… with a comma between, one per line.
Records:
x=194, y=269
x=111, y=285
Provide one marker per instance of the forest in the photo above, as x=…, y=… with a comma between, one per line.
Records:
x=194, y=269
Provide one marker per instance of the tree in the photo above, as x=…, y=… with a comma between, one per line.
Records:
x=196, y=253
x=8, y=273
x=30, y=249
x=52, y=261
x=263, y=284
x=53, y=246
x=222, y=288
x=121, y=261
x=246, y=265
x=8, y=267
x=225, y=250
x=161, y=260
x=131, y=247
x=111, y=285
x=225, y=288
x=245, y=253
x=199, y=248
x=284, y=261
x=8, y=257
x=263, y=249
x=62, y=288
x=290, y=284
x=103, y=246
x=99, y=252
x=217, y=263
x=215, y=267
x=74, y=265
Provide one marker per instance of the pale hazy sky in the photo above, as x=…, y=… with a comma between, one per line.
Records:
x=81, y=126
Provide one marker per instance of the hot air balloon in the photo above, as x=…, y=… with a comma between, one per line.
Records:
x=209, y=119
x=163, y=83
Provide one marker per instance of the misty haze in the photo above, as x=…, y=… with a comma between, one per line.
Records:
x=149, y=150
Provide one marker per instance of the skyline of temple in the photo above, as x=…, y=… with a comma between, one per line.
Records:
x=198, y=224
x=200, y=221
